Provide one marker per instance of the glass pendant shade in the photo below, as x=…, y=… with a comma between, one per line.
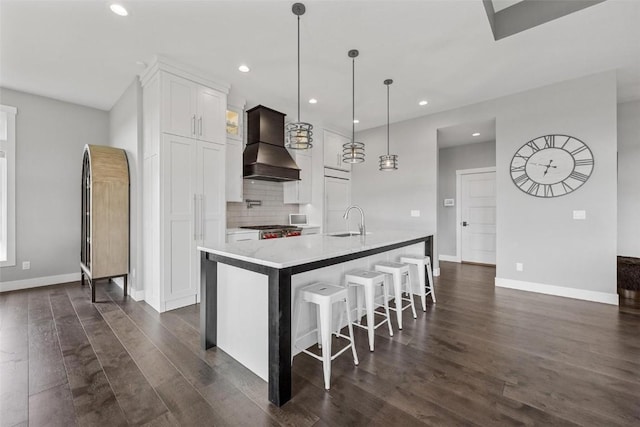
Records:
x=353, y=151
x=299, y=134
x=388, y=162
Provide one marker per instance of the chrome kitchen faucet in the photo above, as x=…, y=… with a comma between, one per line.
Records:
x=361, y=227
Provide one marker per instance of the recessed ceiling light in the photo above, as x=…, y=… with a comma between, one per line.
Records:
x=313, y=101
x=118, y=9
x=423, y=103
x=356, y=121
x=244, y=69
x=475, y=134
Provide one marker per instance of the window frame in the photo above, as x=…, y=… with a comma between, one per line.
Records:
x=10, y=155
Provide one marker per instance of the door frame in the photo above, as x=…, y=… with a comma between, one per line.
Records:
x=459, y=174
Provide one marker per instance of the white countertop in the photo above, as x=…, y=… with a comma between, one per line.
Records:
x=290, y=251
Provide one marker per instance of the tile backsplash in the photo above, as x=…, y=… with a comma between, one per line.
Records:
x=272, y=211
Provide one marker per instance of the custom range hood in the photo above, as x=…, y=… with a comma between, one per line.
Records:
x=265, y=156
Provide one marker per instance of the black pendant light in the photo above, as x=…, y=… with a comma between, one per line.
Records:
x=352, y=151
x=299, y=134
x=388, y=162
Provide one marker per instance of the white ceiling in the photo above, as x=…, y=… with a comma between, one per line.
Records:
x=463, y=134
x=442, y=51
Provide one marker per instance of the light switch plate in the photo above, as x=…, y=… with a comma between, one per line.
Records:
x=519, y=266
x=415, y=213
x=26, y=265
x=449, y=202
x=579, y=214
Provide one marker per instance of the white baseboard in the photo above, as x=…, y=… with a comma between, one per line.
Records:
x=436, y=272
x=560, y=291
x=137, y=295
x=450, y=258
x=39, y=281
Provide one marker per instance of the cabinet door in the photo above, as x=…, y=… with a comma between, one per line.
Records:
x=234, y=170
x=333, y=151
x=211, y=190
x=337, y=200
x=296, y=192
x=211, y=111
x=180, y=205
x=179, y=106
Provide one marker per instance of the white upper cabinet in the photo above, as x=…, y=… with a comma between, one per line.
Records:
x=299, y=192
x=333, y=151
x=211, y=110
x=192, y=110
x=235, y=147
x=180, y=106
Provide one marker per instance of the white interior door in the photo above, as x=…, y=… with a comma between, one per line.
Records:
x=478, y=217
x=337, y=200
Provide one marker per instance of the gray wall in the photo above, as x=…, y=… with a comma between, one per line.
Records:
x=629, y=179
x=451, y=159
x=125, y=131
x=50, y=137
x=555, y=249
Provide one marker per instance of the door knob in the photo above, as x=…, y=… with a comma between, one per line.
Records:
x=465, y=223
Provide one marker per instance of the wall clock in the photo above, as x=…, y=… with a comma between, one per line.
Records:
x=551, y=166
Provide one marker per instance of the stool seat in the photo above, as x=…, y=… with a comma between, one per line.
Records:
x=399, y=271
x=367, y=281
x=389, y=265
x=320, y=291
x=324, y=295
x=422, y=263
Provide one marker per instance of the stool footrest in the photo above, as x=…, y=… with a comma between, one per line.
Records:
x=338, y=353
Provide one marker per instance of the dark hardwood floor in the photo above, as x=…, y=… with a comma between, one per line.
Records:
x=481, y=356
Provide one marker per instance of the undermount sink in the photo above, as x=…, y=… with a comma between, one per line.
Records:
x=347, y=234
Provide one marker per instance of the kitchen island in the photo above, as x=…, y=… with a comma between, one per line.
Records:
x=247, y=288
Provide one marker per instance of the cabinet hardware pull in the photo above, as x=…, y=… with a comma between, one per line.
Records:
x=193, y=125
x=202, y=217
x=195, y=218
x=200, y=125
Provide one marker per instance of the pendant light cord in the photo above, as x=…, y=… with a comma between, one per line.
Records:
x=353, y=100
x=298, y=68
x=387, y=120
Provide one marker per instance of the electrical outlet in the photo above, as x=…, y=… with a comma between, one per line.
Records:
x=415, y=213
x=26, y=265
x=519, y=266
x=579, y=214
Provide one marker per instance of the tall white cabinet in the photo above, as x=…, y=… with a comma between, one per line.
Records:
x=184, y=149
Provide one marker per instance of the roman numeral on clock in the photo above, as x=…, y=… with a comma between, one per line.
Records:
x=533, y=146
x=579, y=176
x=520, y=180
x=548, y=191
x=517, y=168
x=584, y=162
x=549, y=141
x=533, y=188
x=578, y=150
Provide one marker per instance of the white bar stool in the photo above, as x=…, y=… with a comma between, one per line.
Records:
x=422, y=263
x=369, y=280
x=324, y=295
x=398, y=272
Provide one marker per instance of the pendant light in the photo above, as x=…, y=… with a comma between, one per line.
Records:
x=388, y=162
x=299, y=134
x=353, y=152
